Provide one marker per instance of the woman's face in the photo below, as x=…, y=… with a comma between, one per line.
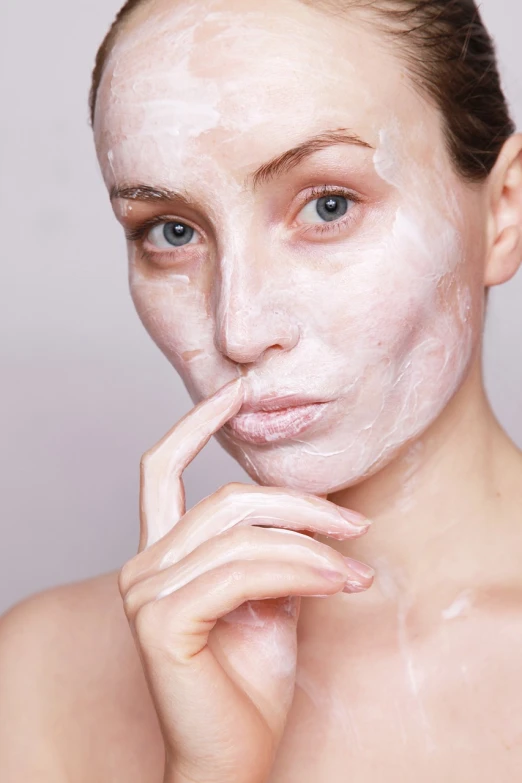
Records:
x=349, y=272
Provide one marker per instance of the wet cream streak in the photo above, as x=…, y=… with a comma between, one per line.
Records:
x=375, y=318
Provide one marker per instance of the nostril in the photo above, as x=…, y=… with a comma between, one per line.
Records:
x=246, y=335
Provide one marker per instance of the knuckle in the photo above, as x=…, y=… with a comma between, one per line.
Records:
x=155, y=630
x=126, y=577
x=230, y=573
x=131, y=605
x=145, y=622
x=242, y=535
x=158, y=638
x=229, y=490
x=147, y=457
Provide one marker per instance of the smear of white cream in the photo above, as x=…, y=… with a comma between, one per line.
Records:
x=379, y=323
x=459, y=607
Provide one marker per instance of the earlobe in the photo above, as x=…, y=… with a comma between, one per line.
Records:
x=505, y=254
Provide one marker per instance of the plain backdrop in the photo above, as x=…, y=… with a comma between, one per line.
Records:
x=84, y=391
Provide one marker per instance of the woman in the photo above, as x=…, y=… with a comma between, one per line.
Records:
x=316, y=197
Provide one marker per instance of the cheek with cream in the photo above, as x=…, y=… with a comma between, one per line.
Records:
x=388, y=337
x=380, y=324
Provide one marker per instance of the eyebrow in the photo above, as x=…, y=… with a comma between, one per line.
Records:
x=281, y=164
x=291, y=158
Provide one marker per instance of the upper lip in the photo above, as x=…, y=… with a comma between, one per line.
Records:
x=277, y=403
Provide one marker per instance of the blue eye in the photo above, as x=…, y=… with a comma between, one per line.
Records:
x=326, y=208
x=174, y=234
x=332, y=207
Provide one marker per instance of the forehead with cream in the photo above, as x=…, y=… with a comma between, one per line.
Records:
x=195, y=98
x=243, y=83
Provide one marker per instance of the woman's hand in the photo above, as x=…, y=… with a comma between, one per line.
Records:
x=212, y=598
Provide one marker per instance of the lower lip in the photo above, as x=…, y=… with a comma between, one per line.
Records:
x=271, y=426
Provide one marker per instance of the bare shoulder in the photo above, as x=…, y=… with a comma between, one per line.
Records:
x=64, y=630
x=72, y=690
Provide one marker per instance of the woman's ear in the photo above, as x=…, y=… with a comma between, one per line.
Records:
x=505, y=214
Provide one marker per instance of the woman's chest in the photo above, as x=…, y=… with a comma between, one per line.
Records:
x=391, y=736
x=451, y=711
x=448, y=710
x=374, y=731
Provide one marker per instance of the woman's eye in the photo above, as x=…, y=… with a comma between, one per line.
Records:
x=168, y=235
x=327, y=208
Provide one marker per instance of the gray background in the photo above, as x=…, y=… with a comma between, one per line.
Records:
x=84, y=391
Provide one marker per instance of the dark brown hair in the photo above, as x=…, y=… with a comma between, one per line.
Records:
x=449, y=55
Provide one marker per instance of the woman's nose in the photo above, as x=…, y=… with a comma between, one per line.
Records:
x=252, y=317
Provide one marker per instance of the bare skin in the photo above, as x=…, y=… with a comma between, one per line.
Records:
x=421, y=692
x=413, y=677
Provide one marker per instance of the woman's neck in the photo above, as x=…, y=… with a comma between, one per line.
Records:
x=446, y=512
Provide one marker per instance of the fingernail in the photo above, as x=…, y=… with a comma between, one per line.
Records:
x=354, y=587
x=354, y=517
x=360, y=568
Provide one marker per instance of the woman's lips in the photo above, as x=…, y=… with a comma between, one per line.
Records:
x=269, y=426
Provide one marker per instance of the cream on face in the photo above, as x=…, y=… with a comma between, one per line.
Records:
x=376, y=312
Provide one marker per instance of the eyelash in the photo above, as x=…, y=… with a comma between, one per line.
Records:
x=334, y=226
x=138, y=233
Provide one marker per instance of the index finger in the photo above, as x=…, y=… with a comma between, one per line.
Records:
x=162, y=494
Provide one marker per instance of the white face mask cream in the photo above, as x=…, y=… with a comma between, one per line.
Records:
x=344, y=275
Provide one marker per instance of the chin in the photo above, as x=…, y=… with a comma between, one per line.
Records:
x=306, y=467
